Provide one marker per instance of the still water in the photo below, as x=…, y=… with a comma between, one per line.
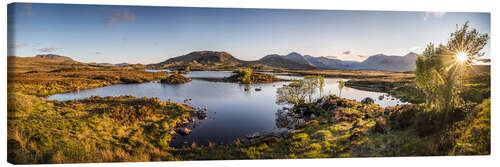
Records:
x=232, y=112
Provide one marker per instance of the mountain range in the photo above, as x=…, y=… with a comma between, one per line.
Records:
x=293, y=60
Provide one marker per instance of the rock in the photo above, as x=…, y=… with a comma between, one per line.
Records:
x=247, y=89
x=381, y=97
x=258, y=89
x=201, y=115
x=322, y=102
x=184, y=131
x=367, y=100
x=313, y=116
x=309, y=123
x=300, y=121
x=254, y=135
x=271, y=139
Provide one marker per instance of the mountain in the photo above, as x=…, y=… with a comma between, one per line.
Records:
x=383, y=62
x=379, y=62
x=202, y=58
x=294, y=56
x=294, y=60
x=122, y=64
x=315, y=62
x=53, y=57
x=280, y=62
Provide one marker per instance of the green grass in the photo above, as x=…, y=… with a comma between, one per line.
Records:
x=94, y=130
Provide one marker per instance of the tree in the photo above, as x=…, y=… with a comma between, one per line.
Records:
x=298, y=91
x=439, y=70
x=245, y=75
x=187, y=69
x=313, y=82
x=341, y=86
x=293, y=93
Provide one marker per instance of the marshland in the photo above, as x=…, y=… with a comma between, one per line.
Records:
x=210, y=105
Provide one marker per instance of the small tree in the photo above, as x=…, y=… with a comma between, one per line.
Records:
x=341, y=86
x=293, y=93
x=439, y=70
x=313, y=82
x=298, y=91
x=187, y=69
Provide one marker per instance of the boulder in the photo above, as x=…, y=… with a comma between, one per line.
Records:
x=367, y=100
x=184, y=131
x=254, y=135
x=381, y=97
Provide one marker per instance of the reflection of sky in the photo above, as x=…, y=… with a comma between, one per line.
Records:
x=142, y=34
x=237, y=113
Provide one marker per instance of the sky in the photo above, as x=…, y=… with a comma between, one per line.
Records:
x=145, y=34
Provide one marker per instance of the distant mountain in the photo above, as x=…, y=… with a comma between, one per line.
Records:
x=294, y=56
x=389, y=63
x=315, y=62
x=293, y=60
x=53, y=57
x=122, y=64
x=202, y=58
x=280, y=62
x=376, y=62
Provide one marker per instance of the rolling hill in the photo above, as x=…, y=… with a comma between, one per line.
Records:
x=201, y=58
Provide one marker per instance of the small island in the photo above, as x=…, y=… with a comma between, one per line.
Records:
x=175, y=79
x=247, y=76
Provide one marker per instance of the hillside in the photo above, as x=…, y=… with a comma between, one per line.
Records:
x=201, y=59
x=25, y=64
x=53, y=57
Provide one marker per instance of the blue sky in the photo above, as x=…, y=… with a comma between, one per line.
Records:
x=142, y=34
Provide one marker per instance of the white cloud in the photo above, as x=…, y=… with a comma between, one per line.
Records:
x=434, y=15
x=416, y=49
x=47, y=49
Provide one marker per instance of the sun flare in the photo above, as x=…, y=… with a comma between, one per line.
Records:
x=461, y=57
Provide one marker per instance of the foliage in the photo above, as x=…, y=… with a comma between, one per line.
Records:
x=299, y=91
x=341, y=86
x=438, y=73
x=95, y=129
x=175, y=79
x=471, y=136
x=247, y=76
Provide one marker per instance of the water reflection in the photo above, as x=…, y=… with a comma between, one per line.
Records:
x=234, y=110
